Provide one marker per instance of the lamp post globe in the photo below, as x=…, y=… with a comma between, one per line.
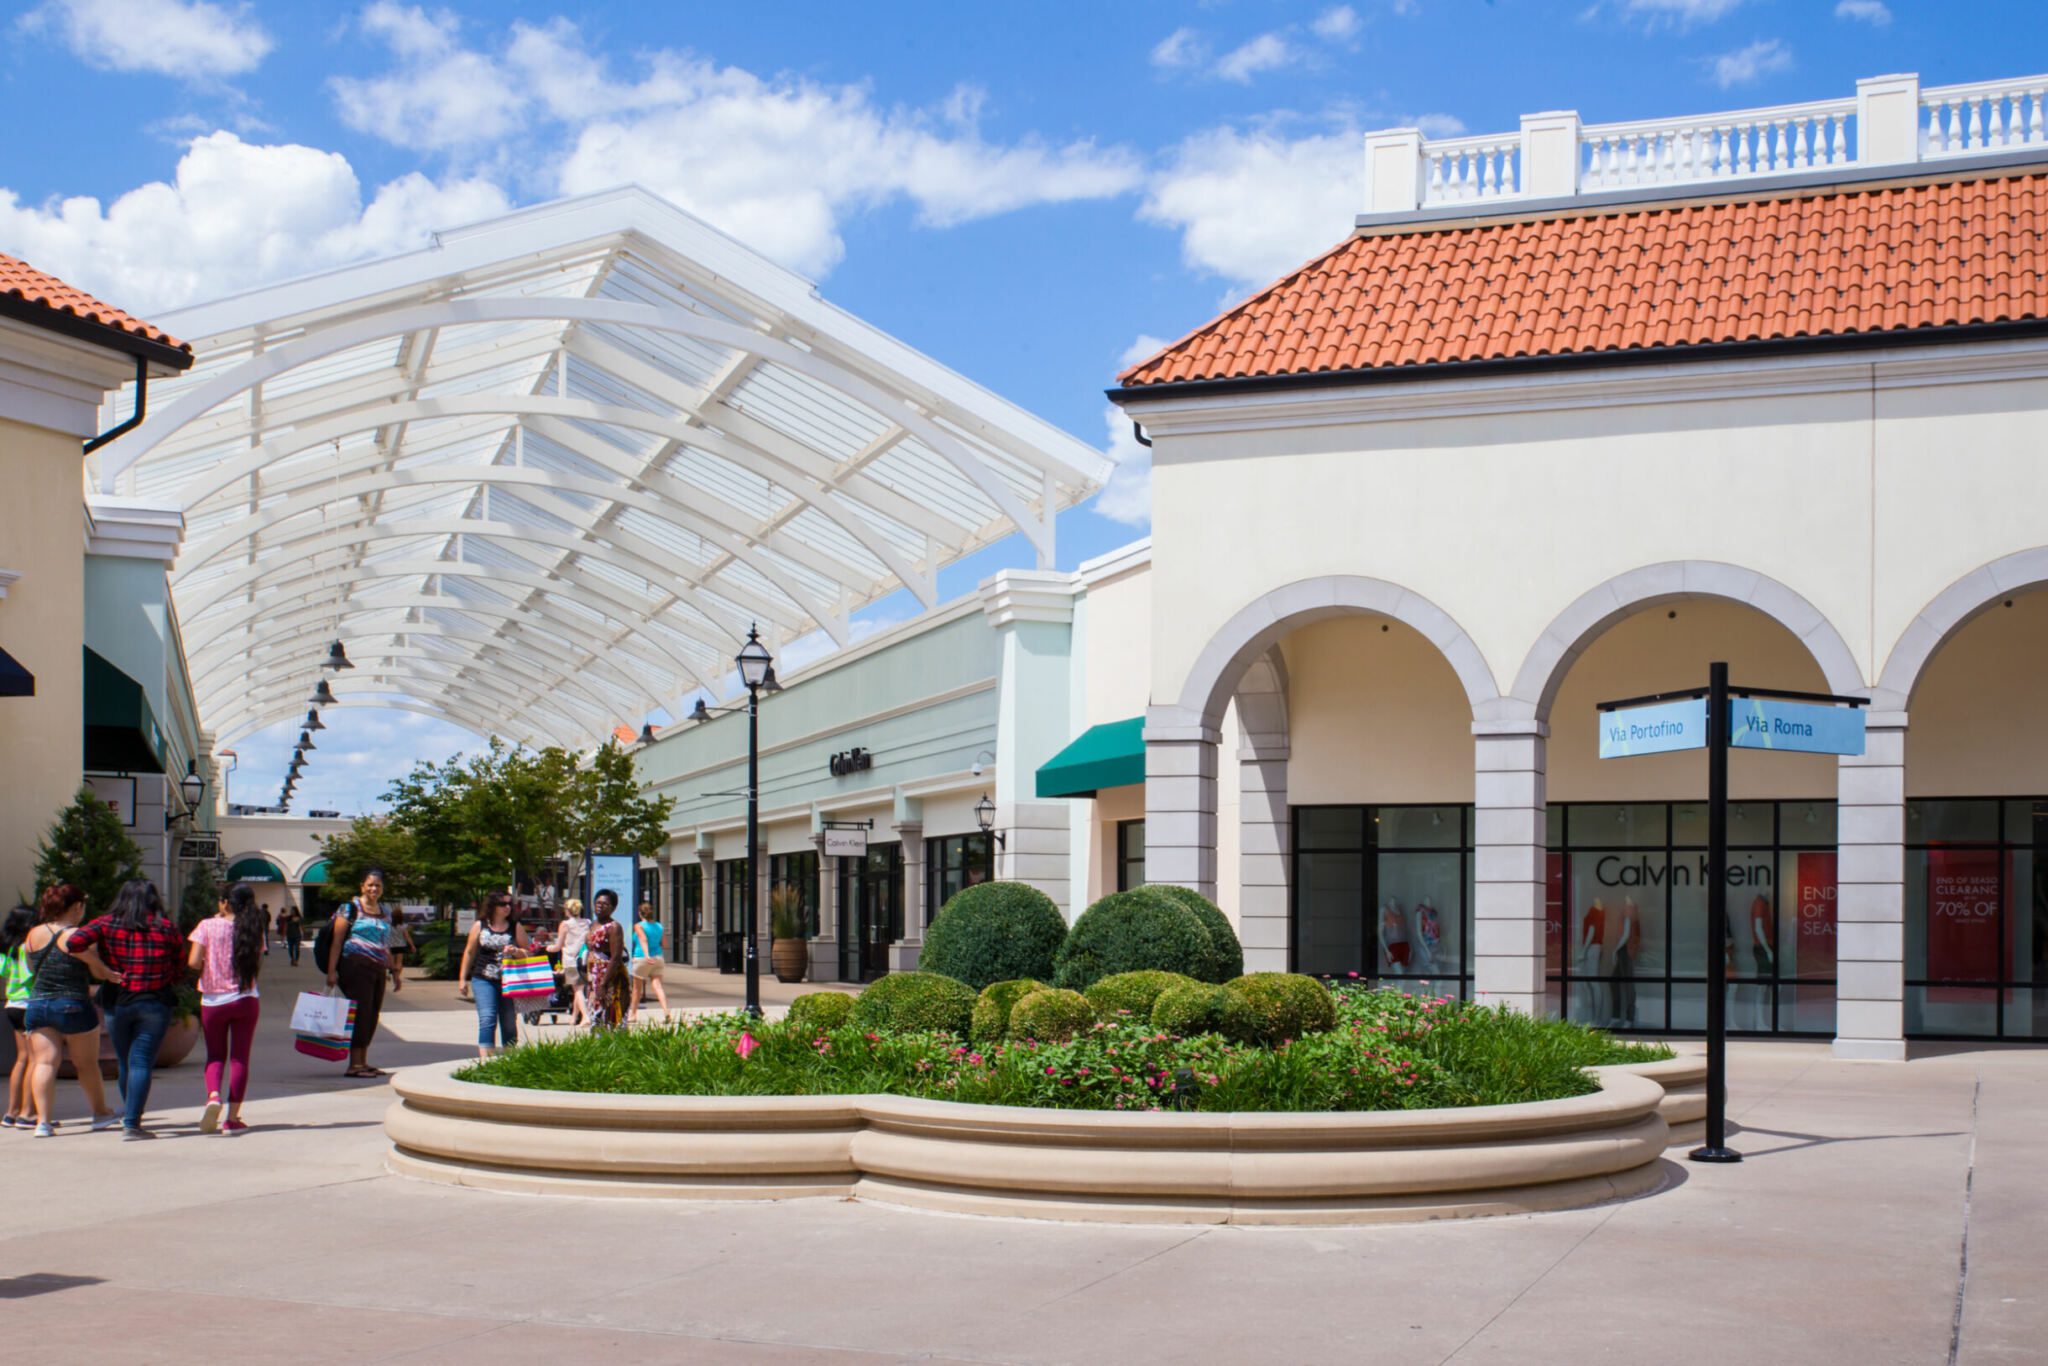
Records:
x=192, y=787
x=754, y=660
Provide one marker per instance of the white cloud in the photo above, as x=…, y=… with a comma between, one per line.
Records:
x=1747, y=65
x=1338, y=24
x=1180, y=49
x=779, y=163
x=187, y=38
x=234, y=215
x=1437, y=125
x=1267, y=52
x=1127, y=497
x=1873, y=12
x=1252, y=203
x=1683, y=13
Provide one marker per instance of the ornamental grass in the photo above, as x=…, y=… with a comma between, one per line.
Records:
x=1388, y=1051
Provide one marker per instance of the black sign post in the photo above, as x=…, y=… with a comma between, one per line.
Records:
x=1663, y=733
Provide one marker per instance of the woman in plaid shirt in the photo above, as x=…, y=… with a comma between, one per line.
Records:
x=148, y=951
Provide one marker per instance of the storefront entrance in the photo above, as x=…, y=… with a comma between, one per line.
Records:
x=1384, y=894
x=870, y=911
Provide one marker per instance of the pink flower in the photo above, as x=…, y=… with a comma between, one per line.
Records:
x=746, y=1046
x=1048, y=1071
x=974, y=1059
x=1083, y=1072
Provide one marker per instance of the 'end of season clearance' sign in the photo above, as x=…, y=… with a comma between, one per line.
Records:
x=1755, y=723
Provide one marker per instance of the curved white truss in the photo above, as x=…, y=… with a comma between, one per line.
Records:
x=541, y=477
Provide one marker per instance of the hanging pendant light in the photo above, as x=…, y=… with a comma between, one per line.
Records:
x=337, y=658
x=313, y=721
x=306, y=742
x=323, y=696
x=646, y=733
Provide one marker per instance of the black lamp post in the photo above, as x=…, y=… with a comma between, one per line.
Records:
x=756, y=668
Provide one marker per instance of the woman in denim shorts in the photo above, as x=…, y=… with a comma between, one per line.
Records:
x=61, y=1017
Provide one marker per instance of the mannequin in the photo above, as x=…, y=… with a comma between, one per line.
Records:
x=1592, y=935
x=1393, y=937
x=1429, y=928
x=1765, y=958
x=1627, y=939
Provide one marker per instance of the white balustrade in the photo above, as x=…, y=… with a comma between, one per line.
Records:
x=1984, y=118
x=1467, y=169
x=1990, y=116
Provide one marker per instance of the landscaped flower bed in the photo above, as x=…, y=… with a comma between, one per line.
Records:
x=1384, y=1051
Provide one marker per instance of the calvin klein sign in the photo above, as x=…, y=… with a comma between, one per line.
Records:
x=850, y=761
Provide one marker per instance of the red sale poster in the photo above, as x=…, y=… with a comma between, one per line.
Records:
x=1813, y=942
x=1962, y=919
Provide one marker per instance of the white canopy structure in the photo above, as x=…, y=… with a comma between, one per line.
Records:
x=541, y=476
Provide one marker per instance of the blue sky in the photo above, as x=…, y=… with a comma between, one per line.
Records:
x=1027, y=192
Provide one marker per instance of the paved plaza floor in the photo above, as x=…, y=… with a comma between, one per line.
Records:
x=1843, y=1238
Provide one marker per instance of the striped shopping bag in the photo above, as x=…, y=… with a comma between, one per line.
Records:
x=327, y=1047
x=528, y=981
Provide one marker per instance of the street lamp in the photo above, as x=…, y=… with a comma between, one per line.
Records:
x=192, y=787
x=756, y=668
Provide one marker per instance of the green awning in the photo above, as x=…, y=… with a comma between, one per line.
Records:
x=255, y=870
x=315, y=875
x=121, y=734
x=1109, y=755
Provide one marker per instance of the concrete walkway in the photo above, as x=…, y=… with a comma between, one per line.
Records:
x=1840, y=1239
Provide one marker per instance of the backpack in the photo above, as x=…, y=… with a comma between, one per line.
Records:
x=323, y=939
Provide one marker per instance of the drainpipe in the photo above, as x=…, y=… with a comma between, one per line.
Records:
x=135, y=419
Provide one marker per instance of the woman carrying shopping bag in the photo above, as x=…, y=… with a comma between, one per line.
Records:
x=496, y=934
x=227, y=952
x=359, y=963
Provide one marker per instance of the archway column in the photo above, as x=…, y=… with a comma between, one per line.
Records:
x=1265, y=854
x=1180, y=800
x=1870, y=894
x=1508, y=826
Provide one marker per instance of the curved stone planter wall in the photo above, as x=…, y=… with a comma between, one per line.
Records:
x=1058, y=1164
x=1684, y=1107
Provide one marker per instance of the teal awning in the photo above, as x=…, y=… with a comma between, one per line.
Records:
x=255, y=870
x=121, y=734
x=1109, y=755
x=315, y=875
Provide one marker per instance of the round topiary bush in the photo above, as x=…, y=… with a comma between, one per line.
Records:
x=1051, y=1015
x=814, y=1012
x=994, y=932
x=1132, y=991
x=1285, y=1005
x=913, y=1002
x=992, y=1008
x=1131, y=932
x=1203, y=1008
x=1226, y=954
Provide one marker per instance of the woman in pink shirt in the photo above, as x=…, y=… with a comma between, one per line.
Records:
x=227, y=952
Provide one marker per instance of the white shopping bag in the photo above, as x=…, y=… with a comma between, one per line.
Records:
x=320, y=1014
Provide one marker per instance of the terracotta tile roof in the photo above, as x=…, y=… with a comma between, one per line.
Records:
x=1820, y=264
x=20, y=280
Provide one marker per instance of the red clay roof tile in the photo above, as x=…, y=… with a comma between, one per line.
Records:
x=20, y=280
x=1901, y=258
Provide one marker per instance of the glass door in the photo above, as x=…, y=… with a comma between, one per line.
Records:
x=870, y=911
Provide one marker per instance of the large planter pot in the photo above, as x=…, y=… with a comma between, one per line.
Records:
x=178, y=1042
x=1044, y=1164
x=791, y=958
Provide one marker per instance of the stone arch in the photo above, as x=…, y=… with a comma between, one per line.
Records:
x=1579, y=625
x=1952, y=609
x=1261, y=698
x=1258, y=628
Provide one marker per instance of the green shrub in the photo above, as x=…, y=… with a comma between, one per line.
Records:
x=1226, y=954
x=994, y=932
x=1132, y=991
x=1202, y=1008
x=992, y=1008
x=1131, y=932
x=816, y=1012
x=911, y=1002
x=1285, y=1005
x=1051, y=1015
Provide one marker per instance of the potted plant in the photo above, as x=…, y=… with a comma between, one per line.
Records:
x=184, y=1030
x=790, y=946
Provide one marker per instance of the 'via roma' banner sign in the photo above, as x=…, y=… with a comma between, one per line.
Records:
x=1755, y=723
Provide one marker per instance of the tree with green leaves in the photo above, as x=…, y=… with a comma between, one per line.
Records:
x=375, y=842
x=88, y=847
x=201, y=897
x=608, y=812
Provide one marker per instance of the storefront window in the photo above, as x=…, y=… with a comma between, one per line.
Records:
x=686, y=900
x=951, y=863
x=1626, y=917
x=732, y=891
x=800, y=872
x=1976, y=918
x=1384, y=894
x=1130, y=855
